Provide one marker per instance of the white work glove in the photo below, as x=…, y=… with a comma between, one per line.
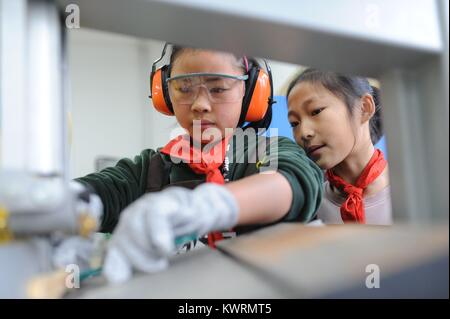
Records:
x=76, y=249
x=73, y=250
x=147, y=229
x=86, y=201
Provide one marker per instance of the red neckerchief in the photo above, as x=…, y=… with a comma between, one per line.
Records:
x=352, y=210
x=203, y=161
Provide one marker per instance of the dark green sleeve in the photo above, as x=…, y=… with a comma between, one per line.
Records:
x=290, y=160
x=305, y=178
x=119, y=186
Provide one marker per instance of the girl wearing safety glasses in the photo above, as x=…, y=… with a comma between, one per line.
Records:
x=223, y=177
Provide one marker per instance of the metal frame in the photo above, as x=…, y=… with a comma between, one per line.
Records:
x=33, y=122
x=377, y=38
x=410, y=59
x=408, y=55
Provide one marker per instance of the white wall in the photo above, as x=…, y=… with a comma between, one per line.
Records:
x=283, y=74
x=111, y=112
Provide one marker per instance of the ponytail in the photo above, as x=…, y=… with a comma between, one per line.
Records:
x=375, y=123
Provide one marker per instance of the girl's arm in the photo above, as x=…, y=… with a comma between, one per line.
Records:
x=262, y=198
x=118, y=186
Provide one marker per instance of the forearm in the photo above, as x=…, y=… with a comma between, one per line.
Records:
x=262, y=198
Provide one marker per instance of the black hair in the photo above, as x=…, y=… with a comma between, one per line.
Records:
x=347, y=88
x=265, y=122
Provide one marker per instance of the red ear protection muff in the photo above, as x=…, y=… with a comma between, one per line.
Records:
x=159, y=91
x=158, y=86
x=258, y=93
x=257, y=98
x=259, y=101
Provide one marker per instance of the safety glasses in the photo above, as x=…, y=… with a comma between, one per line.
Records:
x=220, y=88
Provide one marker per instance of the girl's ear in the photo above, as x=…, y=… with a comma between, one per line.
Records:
x=367, y=108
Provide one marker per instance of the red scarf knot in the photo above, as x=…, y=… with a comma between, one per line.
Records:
x=352, y=210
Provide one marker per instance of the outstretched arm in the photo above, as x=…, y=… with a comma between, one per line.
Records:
x=262, y=198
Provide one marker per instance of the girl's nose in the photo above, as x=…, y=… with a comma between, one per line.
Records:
x=306, y=133
x=201, y=103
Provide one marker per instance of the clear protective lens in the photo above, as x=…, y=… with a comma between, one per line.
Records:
x=221, y=88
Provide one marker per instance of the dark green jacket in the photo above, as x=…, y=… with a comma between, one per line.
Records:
x=122, y=184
